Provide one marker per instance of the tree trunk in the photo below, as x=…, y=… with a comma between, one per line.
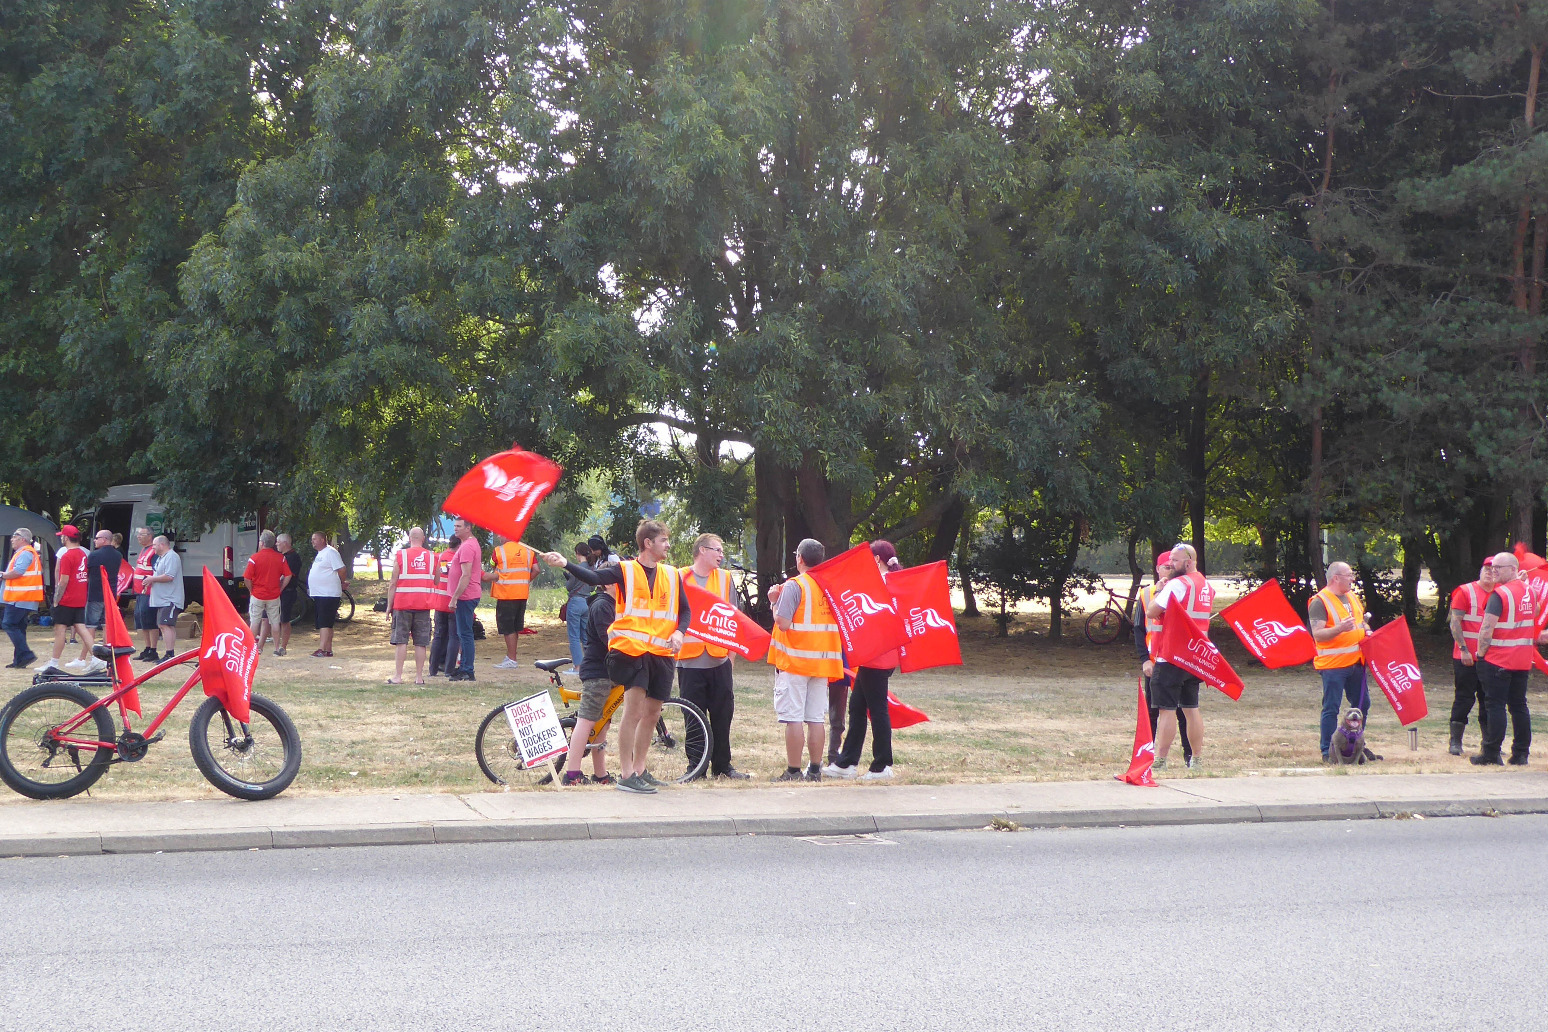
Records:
x=820, y=501
x=1056, y=596
x=1527, y=295
x=1413, y=559
x=965, y=566
x=1198, y=464
x=947, y=530
x=769, y=518
x=1268, y=552
x=1136, y=576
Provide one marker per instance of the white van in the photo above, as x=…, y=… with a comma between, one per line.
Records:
x=224, y=548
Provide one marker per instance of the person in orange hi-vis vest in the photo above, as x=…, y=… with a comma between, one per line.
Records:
x=412, y=596
x=1466, y=620
x=703, y=670
x=807, y=653
x=1337, y=621
x=1145, y=637
x=515, y=564
x=1506, y=643
x=642, y=642
x=1171, y=687
x=23, y=591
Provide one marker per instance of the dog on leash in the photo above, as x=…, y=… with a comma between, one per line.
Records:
x=1348, y=744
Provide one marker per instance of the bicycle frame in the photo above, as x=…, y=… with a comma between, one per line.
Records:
x=63, y=731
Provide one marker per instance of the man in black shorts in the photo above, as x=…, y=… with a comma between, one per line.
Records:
x=1172, y=687
x=641, y=643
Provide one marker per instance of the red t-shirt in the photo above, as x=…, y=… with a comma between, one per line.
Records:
x=72, y=573
x=263, y=573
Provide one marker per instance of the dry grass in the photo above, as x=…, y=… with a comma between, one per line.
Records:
x=1020, y=708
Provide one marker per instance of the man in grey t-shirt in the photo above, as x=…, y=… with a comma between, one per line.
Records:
x=166, y=591
x=704, y=671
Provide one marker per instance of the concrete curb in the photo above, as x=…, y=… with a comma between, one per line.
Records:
x=447, y=832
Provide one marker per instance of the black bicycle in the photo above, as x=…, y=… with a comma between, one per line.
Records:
x=303, y=610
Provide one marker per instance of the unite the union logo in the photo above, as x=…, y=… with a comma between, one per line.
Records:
x=857, y=605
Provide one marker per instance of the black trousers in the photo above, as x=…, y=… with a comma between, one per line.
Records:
x=838, y=697
x=869, y=699
x=1182, y=724
x=444, y=644
x=709, y=688
x=1469, y=688
x=1505, y=691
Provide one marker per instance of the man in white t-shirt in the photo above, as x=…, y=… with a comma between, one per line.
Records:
x=1171, y=686
x=325, y=583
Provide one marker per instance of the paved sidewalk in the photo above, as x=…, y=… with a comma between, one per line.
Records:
x=82, y=826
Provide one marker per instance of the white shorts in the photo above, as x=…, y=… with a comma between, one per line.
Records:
x=258, y=608
x=799, y=699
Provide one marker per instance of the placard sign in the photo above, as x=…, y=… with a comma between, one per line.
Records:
x=536, y=727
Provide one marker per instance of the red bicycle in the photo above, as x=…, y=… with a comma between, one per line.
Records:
x=57, y=738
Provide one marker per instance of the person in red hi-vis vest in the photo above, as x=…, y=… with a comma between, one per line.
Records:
x=1505, y=648
x=1170, y=686
x=1337, y=620
x=1466, y=620
x=1146, y=635
x=412, y=595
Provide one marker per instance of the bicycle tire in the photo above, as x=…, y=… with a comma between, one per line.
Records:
x=346, y=607
x=1104, y=626
x=251, y=754
x=500, y=760
x=690, y=727
x=14, y=769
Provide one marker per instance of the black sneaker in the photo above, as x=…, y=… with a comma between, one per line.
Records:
x=696, y=777
x=575, y=777
x=789, y=775
x=170, y=655
x=636, y=784
x=603, y=779
x=147, y=656
x=813, y=773
x=734, y=775
x=650, y=779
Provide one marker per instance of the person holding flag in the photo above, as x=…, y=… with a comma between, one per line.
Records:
x=807, y=654
x=1466, y=620
x=704, y=670
x=1171, y=687
x=869, y=700
x=1146, y=636
x=1336, y=617
x=641, y=643
x=1505, y=650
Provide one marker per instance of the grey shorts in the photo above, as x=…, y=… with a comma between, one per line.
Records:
x=166, y=616
x=594, y=693
x=410, y=623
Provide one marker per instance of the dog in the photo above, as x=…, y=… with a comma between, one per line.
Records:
x=1348, y=744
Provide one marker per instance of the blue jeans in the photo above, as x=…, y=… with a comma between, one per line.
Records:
x=465, y=607
x=15, y=624
x=574, y=620
x=1338, y=685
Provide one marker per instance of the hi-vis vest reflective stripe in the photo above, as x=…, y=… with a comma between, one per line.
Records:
x=719, y=584
x=145, y=566
x=1472, y=617
x=29, y=586
x=812, y=647
x=416, y=579
x=647, y=615
x=513, y=564
x=442, y=600
x=1198, y=599
x=1342, y=650
x=1152, y=628
x=1512, y=645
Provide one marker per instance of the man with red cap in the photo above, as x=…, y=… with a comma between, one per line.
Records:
x=69, y=609
x=1145, y=638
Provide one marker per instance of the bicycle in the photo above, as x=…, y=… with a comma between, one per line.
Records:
x=47, y=751
x=681, y=722
x=752, y=605
x=1107, y=624
x=304, y=607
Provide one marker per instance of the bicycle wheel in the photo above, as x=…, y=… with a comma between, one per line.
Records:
x=346, y=607
x=1104, y=626
x=41, y=769
x=686, y=734
x=256, y=760
x=500, y=760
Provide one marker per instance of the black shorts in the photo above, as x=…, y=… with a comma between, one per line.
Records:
x=325, y=611
x=510, y=615
x=287, y=607
x=652, y=673
x=1171, y=686
x=69, y=616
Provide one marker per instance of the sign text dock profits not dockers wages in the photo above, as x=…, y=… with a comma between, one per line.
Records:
x=536, y=728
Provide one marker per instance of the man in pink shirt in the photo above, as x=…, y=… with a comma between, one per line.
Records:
x=465, y=575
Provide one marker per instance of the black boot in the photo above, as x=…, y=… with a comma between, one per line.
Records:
x=1488, y=757
x=1457, y=727
x=1518, y=757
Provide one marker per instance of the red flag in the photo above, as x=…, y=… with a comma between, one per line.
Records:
x=1144, y=747
x=717, y=622
x=1390, y=660
x=866, y=612
x=502, y=492
x=924, y=602
x=228, y=653
x=1270, y=629
x=1184, y=645
x=902, y=714
x=116, y=635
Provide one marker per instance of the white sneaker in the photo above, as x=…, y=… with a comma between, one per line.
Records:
x=96, y=666
x=48, y=665
x=77, y=665
x=507, y=664
x=833, y=770
x=885, y=774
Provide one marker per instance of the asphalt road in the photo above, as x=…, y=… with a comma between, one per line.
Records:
x=1359, y=925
